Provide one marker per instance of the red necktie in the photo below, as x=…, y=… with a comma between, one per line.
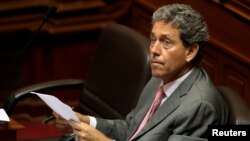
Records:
x=155, y=105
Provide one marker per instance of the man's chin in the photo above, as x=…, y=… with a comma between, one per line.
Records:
x=156, y=74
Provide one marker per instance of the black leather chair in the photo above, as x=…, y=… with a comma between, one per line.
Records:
x=239, y=111
x=118, y=73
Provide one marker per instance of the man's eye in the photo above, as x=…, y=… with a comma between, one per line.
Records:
x=152, y=39
x=166, y=43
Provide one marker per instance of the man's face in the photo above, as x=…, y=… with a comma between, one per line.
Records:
x=167, y=53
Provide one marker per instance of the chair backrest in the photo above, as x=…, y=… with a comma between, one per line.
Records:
x=118, y=73
x=239, y=111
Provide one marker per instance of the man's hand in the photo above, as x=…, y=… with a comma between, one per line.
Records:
x=62, y=124
x=83, y=118
x=84, y=132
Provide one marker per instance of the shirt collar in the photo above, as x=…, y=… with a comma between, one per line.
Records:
x=171, y=86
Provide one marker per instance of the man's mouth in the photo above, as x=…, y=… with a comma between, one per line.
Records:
x=156, y=63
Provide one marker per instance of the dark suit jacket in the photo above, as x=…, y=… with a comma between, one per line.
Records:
x=193, y=106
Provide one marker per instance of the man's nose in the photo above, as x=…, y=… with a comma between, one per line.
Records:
x=155, y=48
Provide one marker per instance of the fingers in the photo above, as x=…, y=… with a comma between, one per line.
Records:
x=55, y=114
x=77, y=125
x=62, y=124
x=82, y=131
x=85, y=132
x=79, y=129
x=79, y=115
x=83, y=118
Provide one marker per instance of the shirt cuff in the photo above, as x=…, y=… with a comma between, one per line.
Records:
x=92, y=121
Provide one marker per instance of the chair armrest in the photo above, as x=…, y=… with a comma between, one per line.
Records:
x=95, y=106
x=22, y=93
x=239, y=111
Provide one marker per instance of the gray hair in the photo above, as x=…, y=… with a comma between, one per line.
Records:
x=191, y=25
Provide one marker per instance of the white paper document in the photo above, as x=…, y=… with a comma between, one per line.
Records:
x=4, y=116
x=58, y=106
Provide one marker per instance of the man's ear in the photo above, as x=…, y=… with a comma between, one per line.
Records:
x=191, y=52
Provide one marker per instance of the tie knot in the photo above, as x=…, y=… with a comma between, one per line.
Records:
x=160, y=93
x=157, y=101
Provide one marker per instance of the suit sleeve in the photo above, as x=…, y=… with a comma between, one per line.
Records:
x=116, y=129
x=184, y=138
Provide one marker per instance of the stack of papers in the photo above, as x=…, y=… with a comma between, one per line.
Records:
x=58, y=106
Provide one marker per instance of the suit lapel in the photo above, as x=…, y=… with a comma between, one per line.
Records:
x=167, y=108
x=149, y=97
x=171, y=103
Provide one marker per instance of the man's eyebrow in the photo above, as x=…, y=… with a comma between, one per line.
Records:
x=162, y=36
x=166, y=36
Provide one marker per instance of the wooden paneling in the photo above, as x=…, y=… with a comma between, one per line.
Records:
x=227, y=57
x=240, y=8
x=71, y=16
x=64, y=46
x=227, y=70
x=141, y=21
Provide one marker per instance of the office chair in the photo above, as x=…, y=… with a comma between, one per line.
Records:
x=239, y=111
x=112, y=86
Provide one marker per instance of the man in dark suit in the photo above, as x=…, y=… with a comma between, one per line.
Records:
x=190, y=102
